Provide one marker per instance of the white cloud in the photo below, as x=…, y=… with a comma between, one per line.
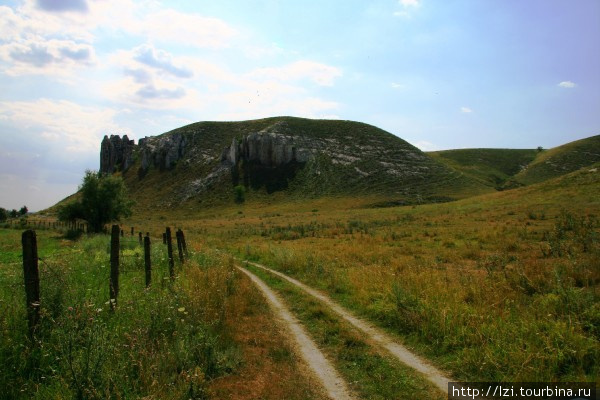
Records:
x=35, y=56
x=160, y=60
x=410, y=3
x=466, y=110
x=191, y=29
x=407, y=5
x=567, y=84
x=67, y=124
x=397, y=85
x=321, y=74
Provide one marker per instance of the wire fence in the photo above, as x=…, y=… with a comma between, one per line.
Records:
x=133, y=257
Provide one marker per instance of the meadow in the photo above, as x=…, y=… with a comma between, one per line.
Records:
x=500, y=287
x=174, y=340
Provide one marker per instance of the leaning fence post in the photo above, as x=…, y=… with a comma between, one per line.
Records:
x=140, y=237
x=114, y=266
x=32, y=279
x=179, y=246
x=147, y=260
x=170, y=254
x=164, y=238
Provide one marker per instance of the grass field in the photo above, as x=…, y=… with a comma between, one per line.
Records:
x=498, y=287
x=180, y=340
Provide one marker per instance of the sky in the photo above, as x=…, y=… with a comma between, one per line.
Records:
x=440, y=74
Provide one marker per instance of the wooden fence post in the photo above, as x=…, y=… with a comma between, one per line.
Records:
x=164, y=238
x=179, y=246
x=32, y=279
x=140, y=237
x=170, y=254
x=147, y=260
x=114, y=266
x=185, y=252
x=132, y=231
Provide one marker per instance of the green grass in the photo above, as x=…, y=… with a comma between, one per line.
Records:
x=499, y=287
x=417, y=177
x=372, y=374
x=561, y=160
x=492, y=167
x=162, y=341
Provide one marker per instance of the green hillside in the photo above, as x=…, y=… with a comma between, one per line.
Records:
x=491, y=167
x=561, y=160
x=347, y=158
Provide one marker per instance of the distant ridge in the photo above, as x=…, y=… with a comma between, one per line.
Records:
x=508, y=168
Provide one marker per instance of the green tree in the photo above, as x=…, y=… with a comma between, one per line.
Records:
x=103, y=199
x=3, y=214
x=23, y=210
x=13, y=213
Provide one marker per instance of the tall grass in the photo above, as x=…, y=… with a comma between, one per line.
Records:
x=504, y=315
x=167, y=341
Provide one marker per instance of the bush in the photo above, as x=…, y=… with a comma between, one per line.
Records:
x=239, y=194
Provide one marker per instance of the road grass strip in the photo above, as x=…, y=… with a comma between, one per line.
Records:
x=372, y=374
x=333, y=383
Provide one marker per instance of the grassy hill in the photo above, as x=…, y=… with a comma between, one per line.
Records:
x=491, y=167
x=349, y=158
x=561, y=160
x=507, y=168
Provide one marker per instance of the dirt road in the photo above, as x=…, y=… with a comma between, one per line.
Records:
x=334, y=384
x=434, y=375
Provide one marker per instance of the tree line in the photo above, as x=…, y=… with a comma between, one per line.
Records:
x=6, y=214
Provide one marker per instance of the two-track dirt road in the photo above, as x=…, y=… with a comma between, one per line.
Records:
x=332, y=382
x=385, y=341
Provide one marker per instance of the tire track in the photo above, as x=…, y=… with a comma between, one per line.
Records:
x=333, y=383
x=438, y=378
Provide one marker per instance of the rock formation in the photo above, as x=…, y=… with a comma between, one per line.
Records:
x=162, y=152
x=268, y=149
x=116, y=153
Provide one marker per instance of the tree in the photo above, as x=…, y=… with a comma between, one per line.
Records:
x=23, y=210
x=103, y=199
x=3, y=214
x=13, y=213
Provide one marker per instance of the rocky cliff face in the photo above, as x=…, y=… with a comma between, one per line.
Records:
x=116, y=153
x=267, y=148
x=162, y=152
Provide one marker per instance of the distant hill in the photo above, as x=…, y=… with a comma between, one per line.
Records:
x=491, y=167
x=561, y=160
x=283, y=157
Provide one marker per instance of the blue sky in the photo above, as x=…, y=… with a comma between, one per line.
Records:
x=440, y=74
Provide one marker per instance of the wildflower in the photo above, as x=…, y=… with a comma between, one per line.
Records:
x=181, y=309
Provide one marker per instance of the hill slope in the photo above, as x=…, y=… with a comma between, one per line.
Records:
x=491, y=167
x=561, y=160
x=284, y=156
